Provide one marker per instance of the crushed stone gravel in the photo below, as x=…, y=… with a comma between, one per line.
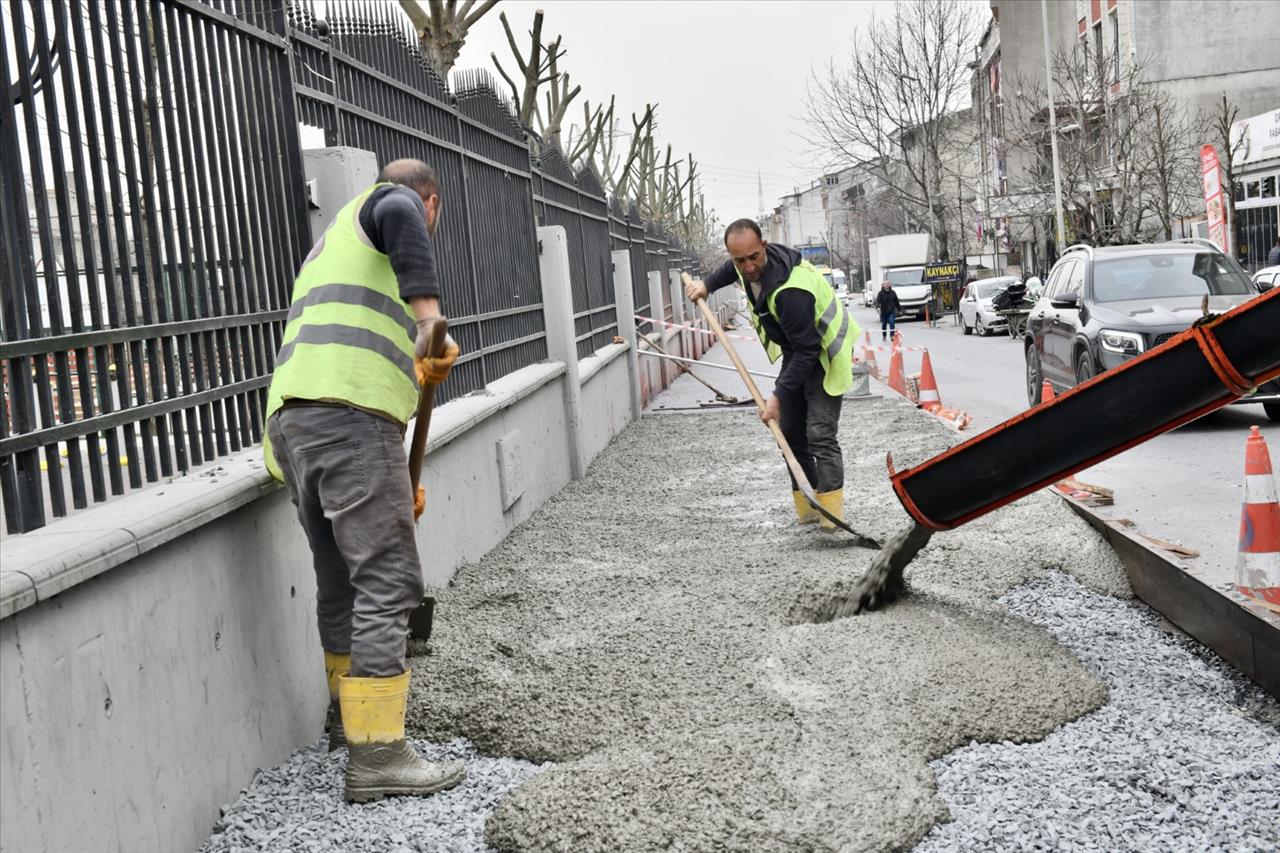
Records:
x=640, y=646
x=1185, y=755
x=298, y=806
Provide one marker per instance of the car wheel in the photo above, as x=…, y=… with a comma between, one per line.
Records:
x=1272, y=410
x=1084, y=368
x=1034, y=376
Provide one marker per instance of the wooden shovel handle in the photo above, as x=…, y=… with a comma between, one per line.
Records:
x=793, y=464
x=426, y=399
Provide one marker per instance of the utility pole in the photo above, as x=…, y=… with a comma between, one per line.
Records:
x=760, y=192
x=1053, y=130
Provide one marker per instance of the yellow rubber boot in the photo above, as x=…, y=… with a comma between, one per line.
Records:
x=832, y=502
x=335, y=666
x=805, y=513
x=380, y=762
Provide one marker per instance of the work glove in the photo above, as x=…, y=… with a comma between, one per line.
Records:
x=433, y=370
x=419, y=502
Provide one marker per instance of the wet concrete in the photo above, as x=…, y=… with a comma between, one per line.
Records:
x=640, y=632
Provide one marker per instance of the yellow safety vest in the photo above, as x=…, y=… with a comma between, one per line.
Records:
x=349, y=336
x=838, y=330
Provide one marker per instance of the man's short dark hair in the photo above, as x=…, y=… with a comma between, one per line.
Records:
x=742, y=225
x=414, y=174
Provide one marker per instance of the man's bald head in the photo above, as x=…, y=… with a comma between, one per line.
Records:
x=421, y=178
x=414, y=174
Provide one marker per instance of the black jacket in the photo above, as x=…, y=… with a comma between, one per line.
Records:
x=395, y=220
x=887, y=302
x=795, y=331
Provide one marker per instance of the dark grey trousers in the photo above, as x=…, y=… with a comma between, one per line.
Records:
x=811, y=426
x=348, y=476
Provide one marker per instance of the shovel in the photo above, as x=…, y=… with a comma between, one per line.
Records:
x=421, y=617
x=793, y=464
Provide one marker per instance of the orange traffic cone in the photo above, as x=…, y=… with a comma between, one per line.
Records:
x=929, y=398
x=1258, y=562
x=869, y=356
x=897, y=378
x=1046, y=391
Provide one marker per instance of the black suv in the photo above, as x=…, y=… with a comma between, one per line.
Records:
x=1101, y=307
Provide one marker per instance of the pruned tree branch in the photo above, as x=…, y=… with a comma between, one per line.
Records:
x=442, y=28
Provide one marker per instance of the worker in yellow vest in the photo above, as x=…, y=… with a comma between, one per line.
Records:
x=800, y=318
x=347, y=379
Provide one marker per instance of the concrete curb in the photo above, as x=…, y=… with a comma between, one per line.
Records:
x=1246, y=636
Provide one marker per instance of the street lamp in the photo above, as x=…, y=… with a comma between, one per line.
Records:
x=1053, y=128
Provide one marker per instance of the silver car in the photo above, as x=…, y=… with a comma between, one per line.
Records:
x=977, y=314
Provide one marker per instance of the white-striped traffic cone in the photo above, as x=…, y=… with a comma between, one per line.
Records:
x=1258, y=561
x=929, y=398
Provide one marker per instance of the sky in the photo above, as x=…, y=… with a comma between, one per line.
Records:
x=729, y=77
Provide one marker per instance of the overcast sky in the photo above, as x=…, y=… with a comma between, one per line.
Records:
x=729, y=77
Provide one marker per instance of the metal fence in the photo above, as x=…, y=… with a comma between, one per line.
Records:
x=577, y=202
x=154, y=215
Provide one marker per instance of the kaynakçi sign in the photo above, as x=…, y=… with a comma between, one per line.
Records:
x=942, y=271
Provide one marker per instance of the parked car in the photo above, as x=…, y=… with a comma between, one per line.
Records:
x=1267, y=278
x=977, y=314
x=869, y=293
x=1102, y=307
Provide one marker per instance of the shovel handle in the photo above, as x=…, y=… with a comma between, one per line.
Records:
x=793, y=465
x=426, y=399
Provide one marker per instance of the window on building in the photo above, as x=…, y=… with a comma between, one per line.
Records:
x=1251, y=189
x=1098, y=55
x=1268, y=186
x=832, y=180
x=1115, y=47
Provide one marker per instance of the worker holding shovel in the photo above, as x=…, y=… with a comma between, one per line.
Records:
x=355, y=354
x=799, y=317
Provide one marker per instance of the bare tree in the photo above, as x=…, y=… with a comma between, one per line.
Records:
x=558, y=96
x=532, y=69
x=1217, y=123
x=1172, y=163
x=539, y=68
x=584, y=142
x=442, y=31
x=1125, y=148
x=896, y=104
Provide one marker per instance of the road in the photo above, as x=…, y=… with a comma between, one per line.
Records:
x=1184, y=486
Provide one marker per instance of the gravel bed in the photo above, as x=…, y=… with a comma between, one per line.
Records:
x=1185, y=755
x=298, y=807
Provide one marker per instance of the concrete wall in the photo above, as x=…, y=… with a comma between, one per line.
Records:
x=137, y=703
x=606, y=399
x=142, y=688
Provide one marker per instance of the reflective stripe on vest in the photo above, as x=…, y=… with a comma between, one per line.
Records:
x=837, y=329
x=349, y=336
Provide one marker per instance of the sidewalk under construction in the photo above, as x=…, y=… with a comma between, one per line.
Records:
x=643, y=635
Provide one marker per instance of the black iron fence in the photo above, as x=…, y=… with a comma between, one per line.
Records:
x=154, y=214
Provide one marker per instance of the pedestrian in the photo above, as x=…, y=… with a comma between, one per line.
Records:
x=888, y=305
x=347, y=381
x=798, y=317
x=1273, y=257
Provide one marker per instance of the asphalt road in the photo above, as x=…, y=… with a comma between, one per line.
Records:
x=1185, y=486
